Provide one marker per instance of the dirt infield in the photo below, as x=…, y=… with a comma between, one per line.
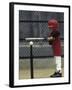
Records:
x=43, y=68
x=38, y=73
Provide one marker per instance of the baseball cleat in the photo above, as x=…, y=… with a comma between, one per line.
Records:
x=56, y=74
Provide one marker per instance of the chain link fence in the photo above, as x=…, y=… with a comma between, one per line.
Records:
x=34, y=24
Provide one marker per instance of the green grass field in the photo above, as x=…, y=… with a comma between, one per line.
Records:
x=43, y=68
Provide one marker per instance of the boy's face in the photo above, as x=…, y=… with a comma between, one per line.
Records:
x=52, y=26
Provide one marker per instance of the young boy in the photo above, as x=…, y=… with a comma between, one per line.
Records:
x=54, y=40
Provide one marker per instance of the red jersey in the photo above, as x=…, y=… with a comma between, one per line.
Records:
x=56, y=43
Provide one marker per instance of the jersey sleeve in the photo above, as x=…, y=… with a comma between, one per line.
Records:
x=55, y=34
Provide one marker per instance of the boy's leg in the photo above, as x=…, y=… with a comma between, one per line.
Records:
x=58, y=71
x=58, y=63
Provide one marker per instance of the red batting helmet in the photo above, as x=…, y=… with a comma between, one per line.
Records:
x=53, y=24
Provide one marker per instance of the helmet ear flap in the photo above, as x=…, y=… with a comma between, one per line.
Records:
x=53, y=24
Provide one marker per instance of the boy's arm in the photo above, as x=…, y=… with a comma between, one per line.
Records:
x=50, y=40
x=53, y=36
